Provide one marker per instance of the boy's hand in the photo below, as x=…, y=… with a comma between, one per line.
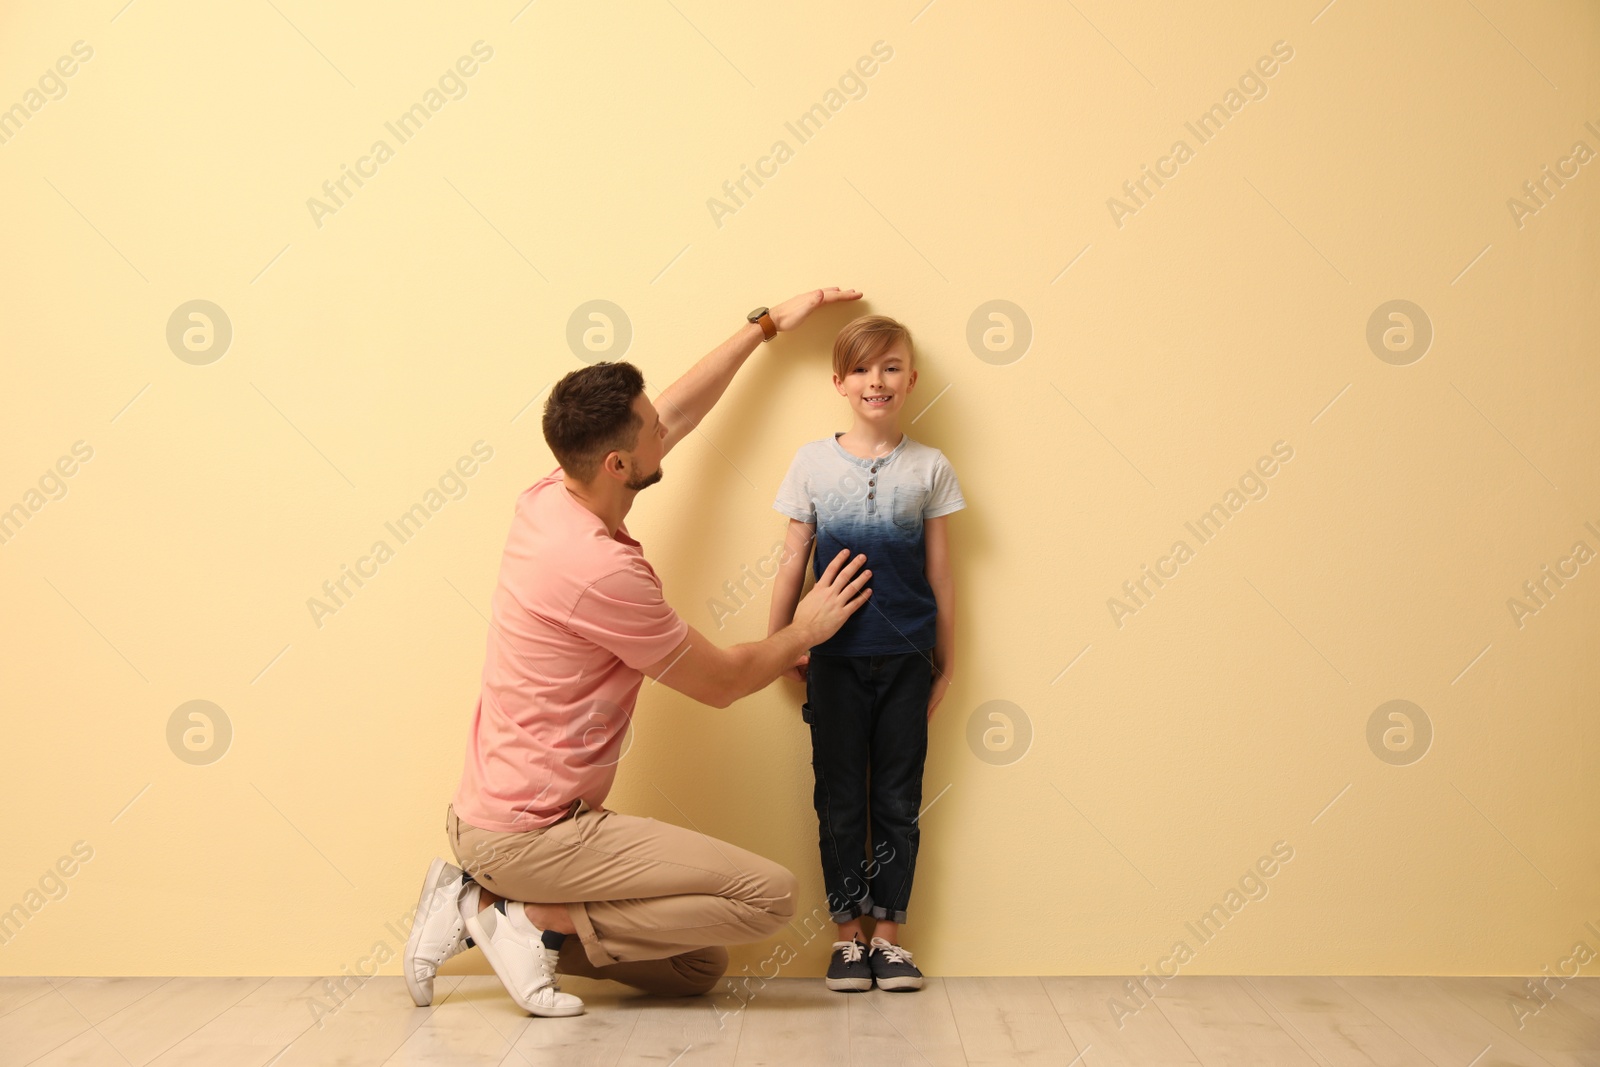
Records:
x=941, y=683
x=792, y=312
x=798, y=671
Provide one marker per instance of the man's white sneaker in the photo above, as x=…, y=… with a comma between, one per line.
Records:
x=437, y=931
x=515, y=950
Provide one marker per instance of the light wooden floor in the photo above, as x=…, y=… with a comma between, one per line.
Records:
x=222, y=1022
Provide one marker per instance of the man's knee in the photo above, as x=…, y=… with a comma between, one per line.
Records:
x=782, y=895
x=700, y=970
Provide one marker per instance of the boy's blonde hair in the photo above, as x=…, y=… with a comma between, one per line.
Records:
x=864, y=338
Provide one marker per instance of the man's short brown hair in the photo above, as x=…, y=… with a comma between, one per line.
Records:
x=589, y=414
x=864, y=338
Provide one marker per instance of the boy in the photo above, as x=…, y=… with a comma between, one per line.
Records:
x=873, y=686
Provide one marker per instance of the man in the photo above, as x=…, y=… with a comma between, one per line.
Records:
x=555, y=882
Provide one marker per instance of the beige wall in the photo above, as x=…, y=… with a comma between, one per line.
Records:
x=1173, y=346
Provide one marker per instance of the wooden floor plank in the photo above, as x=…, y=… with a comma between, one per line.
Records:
x=916, y=1029
x=15, y=992
x=1338, y=1027
x=155, y=1022
x=1436, y=1024
x=1134, y=1033
x=101, y=998
x=88, y=1049
x=1223, y=1024
x=362, y=1026
x=596, y=1038
x=1009, y=1021
x=253, y=1031
x=1585, y=995
x=34, y=1028
x=1193, y=1021
x=1554, y=1027
x=475, y=1025
x=684, y=1031
x=786, y=1023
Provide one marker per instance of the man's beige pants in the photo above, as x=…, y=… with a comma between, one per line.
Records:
x=653, y=903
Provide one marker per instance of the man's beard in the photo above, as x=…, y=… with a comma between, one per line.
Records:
x=636, y=484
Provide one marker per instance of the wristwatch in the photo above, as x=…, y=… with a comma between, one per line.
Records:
x=769, y=329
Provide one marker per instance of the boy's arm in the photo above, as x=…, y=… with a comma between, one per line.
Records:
x=790, y=579
x=936, y=538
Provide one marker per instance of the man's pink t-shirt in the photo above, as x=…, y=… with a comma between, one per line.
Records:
x=576, y=615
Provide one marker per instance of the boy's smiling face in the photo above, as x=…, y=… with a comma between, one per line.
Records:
x=877, y=389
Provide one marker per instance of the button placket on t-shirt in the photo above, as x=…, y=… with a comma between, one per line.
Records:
x=872, y=466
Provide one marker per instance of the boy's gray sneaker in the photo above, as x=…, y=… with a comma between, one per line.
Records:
x=848, y=970
x=892, y=967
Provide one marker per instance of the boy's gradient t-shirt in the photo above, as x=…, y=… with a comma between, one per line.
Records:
x=875, y=506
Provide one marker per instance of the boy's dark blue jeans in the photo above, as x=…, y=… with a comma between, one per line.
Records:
x=869, y=738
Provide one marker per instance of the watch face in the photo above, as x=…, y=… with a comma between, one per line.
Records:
x=755, y=316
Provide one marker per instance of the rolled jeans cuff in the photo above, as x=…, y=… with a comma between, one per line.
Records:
x=855, y=911
x=888, y=916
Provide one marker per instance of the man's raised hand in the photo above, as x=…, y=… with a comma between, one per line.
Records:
x=834, y=598
x=792, y=312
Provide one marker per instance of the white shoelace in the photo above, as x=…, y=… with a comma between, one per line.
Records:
x=894, y=953
x=852, y=951
x=544, y=961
